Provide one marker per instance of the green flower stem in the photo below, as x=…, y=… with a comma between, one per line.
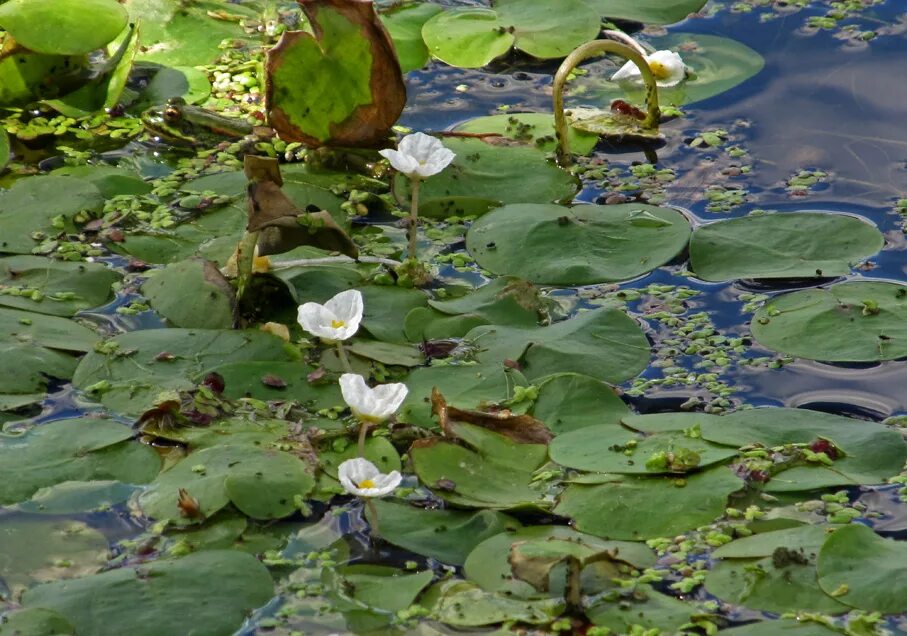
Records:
x=581, y=53
x=344, y=360
x=245, y=255
x=363, y=429
x=376, y=531
x=413, y=218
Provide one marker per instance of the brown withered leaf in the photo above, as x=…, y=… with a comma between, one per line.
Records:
x=341, y=86
x=280, y=224
x=523, y=429
x=188, y=505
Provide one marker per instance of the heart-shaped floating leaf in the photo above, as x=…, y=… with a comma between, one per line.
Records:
x=637, y=508
x=340, y=85
x=471, y=37
x=570, y=401
x=647, y=11
x=214, y=303
x=805, y=244
x=582, y=245
x=774, y=572
x=150, y=599
x=533, y=129
x=27, y=76
x=72, y=449
x=461, y=603
x=782, y=626
x=58, y=288
x=483, y=174
x=404, y=23
x=863, y=570
x=854, y=321
x=718, y=64
x=63, y=27
x=640, y=605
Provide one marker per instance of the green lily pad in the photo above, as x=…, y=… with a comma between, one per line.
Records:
x=24, y=369
x=604, y=449
x=390, y=353
x=36, y=622
x=381, y=587
x=471, y=37
x=32, y=204
x=4, y=149
x=777, y=578
x=40, y=550
x=60, y=27
x=638, y=508
x=214, y=304
x=446, y=535
x=404, y=23
x=136, y=366
x=781, y=626
x=69, y=497
x=464, y=604
x=797, y=245
x=503, y=174
x=491, y=471
x=26, y=328
x=261, y=483
x=534, y=129
x=78, y=449
x=383, y=307
x=647, y=11
x=378, y=450
x=642, y=605
x=276, y=381
x=854, y=321
x=582, y=245
x=863, y=570
x=28, y=76
x=807, y=538
x=718, y=64
x=109, y=180
x=489, y=566
x=150, y=599
x=464, y=387
x=570, y=401
x=58, y=288
x=602, y=343
x=184, y=81
x=871, y=452
x=176, y=34
x=503, y=301
x=604, y=123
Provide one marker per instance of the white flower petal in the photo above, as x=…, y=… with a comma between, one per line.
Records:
x=627, y=72
x=667, y=67
x=337, y=319
x=353, y=472
x=419, y=155
x=376, y=404
x=389, y=397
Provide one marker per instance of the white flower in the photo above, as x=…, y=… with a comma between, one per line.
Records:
x=362, y=478
x=337, y=319
x=667, y=67
x=419, y=155
x=372, y=405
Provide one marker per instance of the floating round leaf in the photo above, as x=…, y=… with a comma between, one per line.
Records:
x=489, y=173
x=718, y=64
x=73, y=449
x=533, y=129
x=774, y=572
x=640, y=605
x=603, y=343
x=647, y=11
x=782, y=626
x=856, y=452
x=802, y=244
x=570, y=401
x=340, y=85
x=446, y=535
x=404, y=23
x=863, y=570
x=471, y=37
x=153, y=598
x=63, y=27
x=854, y=321
x=58, y=288
x=213, y=303
x=638, y=508
x=582, y=245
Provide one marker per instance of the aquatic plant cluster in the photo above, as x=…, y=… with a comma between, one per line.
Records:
x=278, y=358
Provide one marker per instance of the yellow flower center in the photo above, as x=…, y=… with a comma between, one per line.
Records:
x=337, y=324
x=659, y=70
x=366, y=483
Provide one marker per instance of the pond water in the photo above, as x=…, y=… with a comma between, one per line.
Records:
x=817, y=129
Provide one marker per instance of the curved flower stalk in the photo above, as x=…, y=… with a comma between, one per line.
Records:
x=335, y=321
x=583, y=52
x=370, y=406
x=418, y=156
x=362, y=478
